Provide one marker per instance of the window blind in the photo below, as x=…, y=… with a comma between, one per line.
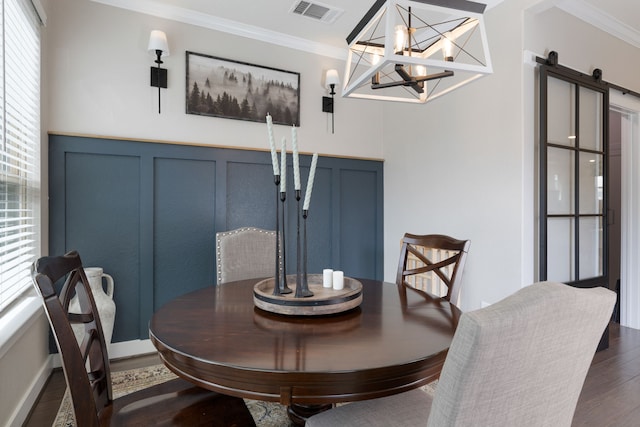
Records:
x=19, y=147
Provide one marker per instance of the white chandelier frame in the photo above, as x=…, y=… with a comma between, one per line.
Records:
x=372, y=55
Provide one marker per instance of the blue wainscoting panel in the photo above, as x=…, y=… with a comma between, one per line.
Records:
x=251, y=196
x=102, y=212
x=359, y=218
x=184, y=227
x=148, y=213
x=320, y=220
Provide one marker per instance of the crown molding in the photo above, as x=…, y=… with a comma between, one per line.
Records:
x=600, y=19
x=211, y=22
x=578, y=8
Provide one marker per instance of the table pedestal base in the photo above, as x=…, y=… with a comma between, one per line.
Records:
x=299, y=413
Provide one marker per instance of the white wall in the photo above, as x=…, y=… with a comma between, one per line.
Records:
x=95, y=81
x=99, y=76
x=463, y=165
x=24, y=360
x=454, y=166
x=582, y=47
x=469, y=168
x=470, y=164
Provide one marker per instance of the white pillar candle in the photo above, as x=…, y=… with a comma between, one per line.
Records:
x=312, y=174
x=296, y=162
x=283, y=166
x=338, y=280
x=272, y=144
x=327, y=278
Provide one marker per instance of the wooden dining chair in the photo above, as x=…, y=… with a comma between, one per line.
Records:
x=245, y=253
x=519, y=362
x=433, y=263
x=86, y=365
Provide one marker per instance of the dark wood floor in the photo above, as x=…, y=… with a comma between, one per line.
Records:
x=45, y=411
x=611, y=393
x=610, y=397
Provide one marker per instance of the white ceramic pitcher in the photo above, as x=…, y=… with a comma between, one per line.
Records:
x=104, y=303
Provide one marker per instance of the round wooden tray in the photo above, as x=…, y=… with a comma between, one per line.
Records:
x=323, y=301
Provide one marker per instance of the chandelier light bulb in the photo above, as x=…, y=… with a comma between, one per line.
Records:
x=447, y=47
x=400, y=40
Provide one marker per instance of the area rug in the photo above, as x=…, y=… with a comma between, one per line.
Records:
x=266, y=414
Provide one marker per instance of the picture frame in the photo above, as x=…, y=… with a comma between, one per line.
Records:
x=220, y=87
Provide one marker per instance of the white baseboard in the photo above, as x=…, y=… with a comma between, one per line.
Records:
x=21, y=413
x=118, y=350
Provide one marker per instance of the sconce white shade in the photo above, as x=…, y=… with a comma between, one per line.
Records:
x=158, y=41
x=331, y=78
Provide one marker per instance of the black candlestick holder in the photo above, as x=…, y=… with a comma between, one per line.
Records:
x=305, y=282
x=282, y=284
x=276, y=283
x=302, y=286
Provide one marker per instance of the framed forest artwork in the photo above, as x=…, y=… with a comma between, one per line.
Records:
x=220, y=87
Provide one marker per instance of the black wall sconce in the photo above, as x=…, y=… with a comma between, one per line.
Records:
x=331, y=80
x=158, y=47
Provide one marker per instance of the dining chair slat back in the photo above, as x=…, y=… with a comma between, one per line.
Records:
x=245, y=253
x=433, y=263
x=87, y=371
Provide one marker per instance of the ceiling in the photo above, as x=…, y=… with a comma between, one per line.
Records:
x=272, y=20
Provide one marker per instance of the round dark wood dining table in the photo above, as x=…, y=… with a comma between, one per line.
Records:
x=396, y=340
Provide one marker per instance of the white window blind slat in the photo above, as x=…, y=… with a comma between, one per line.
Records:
x=15, y=219
x=20, y=115
x=14, y=215
x=13, y=240
x=13, y=292
x=14, y=249
x=20, y=96
x=20, y=268
x=19, y=146
x=17, y=269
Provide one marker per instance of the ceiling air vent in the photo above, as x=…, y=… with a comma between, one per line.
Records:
x=316, y=11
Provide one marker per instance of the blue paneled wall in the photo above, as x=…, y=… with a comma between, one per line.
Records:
x=148, y=214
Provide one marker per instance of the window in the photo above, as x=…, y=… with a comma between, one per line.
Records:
x=19, y=146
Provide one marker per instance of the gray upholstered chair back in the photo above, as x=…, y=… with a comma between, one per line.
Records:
x=245, y=253
x=520, y=362
x=523, y=360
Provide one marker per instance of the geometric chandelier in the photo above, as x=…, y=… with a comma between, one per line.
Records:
x=416, y=50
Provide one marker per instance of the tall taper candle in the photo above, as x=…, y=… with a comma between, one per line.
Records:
x=312, y=174
x=283, y=166
x=296, y=162
x=272, y=144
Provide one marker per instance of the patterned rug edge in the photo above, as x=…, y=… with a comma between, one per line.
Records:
x=266, y=414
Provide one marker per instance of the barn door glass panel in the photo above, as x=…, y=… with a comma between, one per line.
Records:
x=573, y=178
